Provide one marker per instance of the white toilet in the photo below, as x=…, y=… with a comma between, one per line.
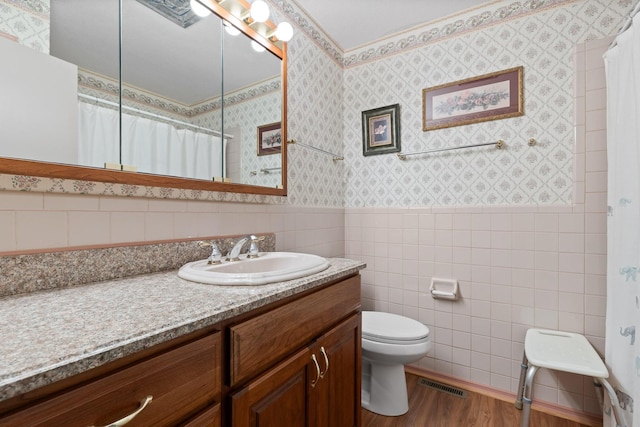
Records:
x=389, y=341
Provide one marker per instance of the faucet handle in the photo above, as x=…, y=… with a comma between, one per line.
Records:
x=253, y=247
x=216, y=255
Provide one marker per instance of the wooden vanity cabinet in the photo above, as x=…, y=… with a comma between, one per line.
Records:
x=318, y=383
x=293, y=363
x=184, y=384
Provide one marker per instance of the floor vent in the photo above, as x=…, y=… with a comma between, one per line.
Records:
x=443, y=387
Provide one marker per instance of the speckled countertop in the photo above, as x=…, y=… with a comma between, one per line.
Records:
x=51, y=335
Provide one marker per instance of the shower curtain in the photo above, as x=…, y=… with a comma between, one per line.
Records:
x=622, y=352
x=150, y=145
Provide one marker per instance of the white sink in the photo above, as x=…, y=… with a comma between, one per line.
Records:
x=269, y=267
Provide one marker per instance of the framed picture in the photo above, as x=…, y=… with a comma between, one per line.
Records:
x=381, y=130
x=478, y=99
x=269, y=139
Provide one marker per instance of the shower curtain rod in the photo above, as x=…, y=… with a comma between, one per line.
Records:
x=626, y=25
x=152, y=115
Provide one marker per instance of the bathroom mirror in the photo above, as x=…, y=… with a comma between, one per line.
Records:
x=188, y=93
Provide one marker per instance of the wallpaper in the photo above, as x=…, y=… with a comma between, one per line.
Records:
x=28, y=21
x=328, y=89
x=541, y=42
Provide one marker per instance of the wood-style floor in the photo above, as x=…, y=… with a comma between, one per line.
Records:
x=434, y=408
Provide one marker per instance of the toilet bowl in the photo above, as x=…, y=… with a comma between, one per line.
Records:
x=389, y=341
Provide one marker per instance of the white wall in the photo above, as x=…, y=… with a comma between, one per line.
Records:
x=39, y=108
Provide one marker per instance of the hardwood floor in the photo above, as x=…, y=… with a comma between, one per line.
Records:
x=434, y=408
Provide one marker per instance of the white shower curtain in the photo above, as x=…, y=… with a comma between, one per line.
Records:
x=622, y=64
x=150, y=145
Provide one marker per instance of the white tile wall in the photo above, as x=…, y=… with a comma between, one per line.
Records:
x=36, y=221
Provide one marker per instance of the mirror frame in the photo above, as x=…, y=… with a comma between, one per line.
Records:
x=11, y=166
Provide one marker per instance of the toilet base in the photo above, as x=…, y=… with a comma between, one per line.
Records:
x=384, y=389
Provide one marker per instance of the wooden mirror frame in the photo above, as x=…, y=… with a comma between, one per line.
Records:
x=12, y=166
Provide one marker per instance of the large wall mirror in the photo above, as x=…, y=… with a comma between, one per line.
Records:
x=144, y=92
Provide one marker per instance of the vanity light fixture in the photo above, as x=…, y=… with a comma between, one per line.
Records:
x=283, y=32
x=255, y=15
x=199, y=9
x=259, y=11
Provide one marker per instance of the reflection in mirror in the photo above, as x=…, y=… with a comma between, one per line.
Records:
x=52, y=98
x=252, y=111
x=161, y=98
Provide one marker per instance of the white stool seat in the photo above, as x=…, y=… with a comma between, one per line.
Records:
x=561, y=351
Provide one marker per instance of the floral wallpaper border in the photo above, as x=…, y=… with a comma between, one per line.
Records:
x=88, y=82
x=69, y=186
x=428, y=33
x=37, y=7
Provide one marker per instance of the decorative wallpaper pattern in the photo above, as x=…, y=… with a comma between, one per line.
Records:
x=323, y=94
x=56, y=185
x=94, y=84
x=518, y=175
x=28, y=20
x=261, y=110
x=314, y=116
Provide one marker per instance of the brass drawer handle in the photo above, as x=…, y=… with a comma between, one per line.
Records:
x=326, y=362
x=125, y=420
x=314, y=382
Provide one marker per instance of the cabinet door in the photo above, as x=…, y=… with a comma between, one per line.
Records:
x=277, y=398
x=335, y=401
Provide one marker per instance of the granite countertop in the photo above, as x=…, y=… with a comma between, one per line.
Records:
x=51, y=335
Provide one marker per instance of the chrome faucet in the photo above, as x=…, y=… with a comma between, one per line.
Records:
x=234, y=253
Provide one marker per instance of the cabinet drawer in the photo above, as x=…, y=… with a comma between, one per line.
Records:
x=260, y=342
x=208, y=418
x=181, y=381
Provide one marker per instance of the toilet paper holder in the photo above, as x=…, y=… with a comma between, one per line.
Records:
x=444, y=288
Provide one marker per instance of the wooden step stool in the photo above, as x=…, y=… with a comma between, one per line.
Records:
x=561, y=351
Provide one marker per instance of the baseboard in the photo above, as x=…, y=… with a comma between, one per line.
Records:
x=545, y=407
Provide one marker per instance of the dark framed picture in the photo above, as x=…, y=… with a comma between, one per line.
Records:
x=269, y=139
x=492, y=96
x=381, y=130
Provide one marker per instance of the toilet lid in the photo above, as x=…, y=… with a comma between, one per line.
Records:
x=377, y=325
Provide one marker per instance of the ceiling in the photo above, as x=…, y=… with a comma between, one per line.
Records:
x=352, y=23
x=84, y=32
x=159, y=56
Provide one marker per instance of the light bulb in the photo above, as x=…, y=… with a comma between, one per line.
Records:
x=259, y=11
x=230, y=29
x=284, y=31
x=199, y=9
x=257, y=46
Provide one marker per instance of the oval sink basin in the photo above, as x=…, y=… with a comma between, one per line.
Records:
x=269, y=267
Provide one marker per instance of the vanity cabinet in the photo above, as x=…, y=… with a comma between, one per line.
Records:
x=184, y=385
x=317, y=383
x=293, y=362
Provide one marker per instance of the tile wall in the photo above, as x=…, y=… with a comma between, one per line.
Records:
x=35, y=221
x=518, y=267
